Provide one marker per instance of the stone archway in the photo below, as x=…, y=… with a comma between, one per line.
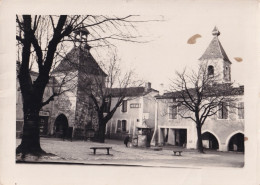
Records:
x=61, y=126
x=236, y=143
x=210, y=141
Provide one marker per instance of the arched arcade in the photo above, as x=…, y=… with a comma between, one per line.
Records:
x=236, y=142
x=210, y=141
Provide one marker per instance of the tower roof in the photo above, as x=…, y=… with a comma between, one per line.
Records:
x=215, y=50
x=83, y=31
x=79, y=58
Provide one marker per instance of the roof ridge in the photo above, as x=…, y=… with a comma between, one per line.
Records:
x=224, y=54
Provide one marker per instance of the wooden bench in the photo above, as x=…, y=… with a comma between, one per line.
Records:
x=177, y=152
x=101, y=147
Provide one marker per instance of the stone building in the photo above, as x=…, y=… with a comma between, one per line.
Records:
x=81, y=67
x=69, y=112
x=136, y=112
x=223, y=131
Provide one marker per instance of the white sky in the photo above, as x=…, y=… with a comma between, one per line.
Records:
x=168, y=51
x=157, y=61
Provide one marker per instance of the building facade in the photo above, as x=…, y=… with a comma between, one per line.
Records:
x=223, y=131
x=136, y=112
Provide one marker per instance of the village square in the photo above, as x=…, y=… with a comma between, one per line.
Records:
x=87, y=117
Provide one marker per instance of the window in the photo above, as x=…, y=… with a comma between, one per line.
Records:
x=173, y=112
x=118, y=126
x=123, y=125
x=124, y=106
x=227, y=73
x=223, y=111
x=240, y=110
x=210, y=71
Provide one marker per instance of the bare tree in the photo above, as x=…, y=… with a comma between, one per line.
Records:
x=103, y=94
x=199, y=95
x=41, y=42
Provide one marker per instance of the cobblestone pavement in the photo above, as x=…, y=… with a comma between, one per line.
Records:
x=80, y=152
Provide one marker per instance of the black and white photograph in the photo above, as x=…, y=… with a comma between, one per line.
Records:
x=168, y=86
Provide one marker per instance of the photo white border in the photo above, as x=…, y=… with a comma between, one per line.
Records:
x=26, y=174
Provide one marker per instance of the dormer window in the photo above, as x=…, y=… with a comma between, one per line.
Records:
x=210, y=70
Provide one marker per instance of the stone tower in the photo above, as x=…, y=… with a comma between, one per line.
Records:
x=216, y=60
x=83, y=71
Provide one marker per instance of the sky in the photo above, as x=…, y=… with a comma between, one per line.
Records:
x=157, y=60
x=168, y=50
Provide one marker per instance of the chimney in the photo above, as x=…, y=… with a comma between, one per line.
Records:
x=161, y=91
x=148, y=86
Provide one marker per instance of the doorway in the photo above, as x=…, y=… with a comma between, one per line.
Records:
x=61, y=126
x=181, y=137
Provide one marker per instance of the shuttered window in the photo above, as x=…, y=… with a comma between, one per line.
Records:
x=124, y=106
x=173, y=112
x=223, y=111
x=123, y=125
x=118, y=126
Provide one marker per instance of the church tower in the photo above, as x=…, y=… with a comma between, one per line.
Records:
x=82, y=73
x=216, y=59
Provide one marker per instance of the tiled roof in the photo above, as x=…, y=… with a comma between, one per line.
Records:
x=221, y=87
x=215, y=49
x=79, y=59
x=83, y=30
x=131, y=91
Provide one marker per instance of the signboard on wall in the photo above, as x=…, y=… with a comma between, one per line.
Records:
x=44, y=113
x=135, y=105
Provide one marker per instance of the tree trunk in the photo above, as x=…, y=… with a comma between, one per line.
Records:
x=199, y=142
x=32, y=101
x=101, y=131
x=30, y=139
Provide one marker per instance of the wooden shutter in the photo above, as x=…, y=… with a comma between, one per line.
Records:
x=223, y=111
x=118, y=126
x=124, y=106
x=124, y=125
x=173, y=112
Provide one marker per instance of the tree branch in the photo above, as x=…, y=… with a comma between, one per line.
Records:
x=51, y=98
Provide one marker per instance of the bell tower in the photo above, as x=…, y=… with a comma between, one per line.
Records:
x=216, y=60
x=81, y=38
